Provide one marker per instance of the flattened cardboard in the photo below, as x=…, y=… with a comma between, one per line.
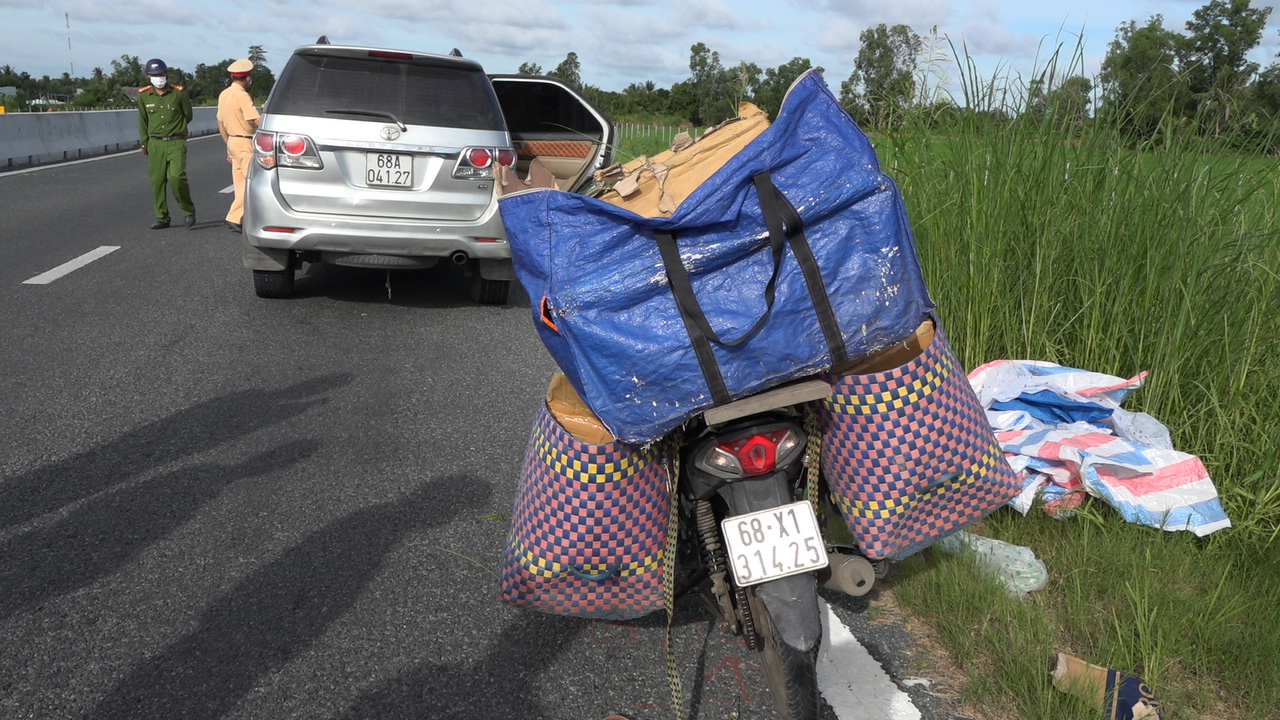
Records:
x=896, y=355
x=567, y=407
x=506, y=181
x=655, y=187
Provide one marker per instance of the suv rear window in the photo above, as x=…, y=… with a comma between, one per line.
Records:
x=417, y=94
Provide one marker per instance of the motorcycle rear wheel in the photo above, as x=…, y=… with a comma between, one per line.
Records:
x=792, y=674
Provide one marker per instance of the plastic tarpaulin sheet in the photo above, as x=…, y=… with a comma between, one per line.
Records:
x=1063, y=429
x=795, y=256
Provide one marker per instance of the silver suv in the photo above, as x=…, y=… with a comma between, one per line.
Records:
x=383, y=158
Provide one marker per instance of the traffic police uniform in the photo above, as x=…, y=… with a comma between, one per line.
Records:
x=162, y=131
x=236, y=121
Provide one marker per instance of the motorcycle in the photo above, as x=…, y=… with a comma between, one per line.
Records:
x=755, y=541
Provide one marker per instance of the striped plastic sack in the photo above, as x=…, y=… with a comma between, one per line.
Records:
x=1098, y=448
x=589, y=527
x=908, y=454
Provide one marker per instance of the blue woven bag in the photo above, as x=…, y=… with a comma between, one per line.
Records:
x=792, y=258
x=589, y=532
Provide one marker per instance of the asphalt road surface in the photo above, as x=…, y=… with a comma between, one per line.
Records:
x=218, y=506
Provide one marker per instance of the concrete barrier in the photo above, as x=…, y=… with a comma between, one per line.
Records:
x=28, y=139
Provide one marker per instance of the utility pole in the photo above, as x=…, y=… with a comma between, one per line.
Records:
x=69, y=57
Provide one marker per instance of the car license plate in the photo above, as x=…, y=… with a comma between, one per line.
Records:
x=774, y=543
x=388, y=169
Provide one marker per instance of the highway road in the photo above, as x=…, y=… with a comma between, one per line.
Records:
x=218, y=506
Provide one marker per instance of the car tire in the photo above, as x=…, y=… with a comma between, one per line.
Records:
x=489, y=292
x=273, y=283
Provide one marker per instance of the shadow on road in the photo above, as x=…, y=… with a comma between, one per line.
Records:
x=101, y=537
x=494, y=686
x=182, y=434
x=277, y=612
x=439, y=287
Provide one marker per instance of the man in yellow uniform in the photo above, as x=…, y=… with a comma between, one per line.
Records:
x=237, y=119
x=164, y=111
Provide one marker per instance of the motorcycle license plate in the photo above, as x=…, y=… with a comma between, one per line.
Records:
x=774, y=543
x=388, y=169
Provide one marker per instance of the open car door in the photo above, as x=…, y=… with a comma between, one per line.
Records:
x=557, y=124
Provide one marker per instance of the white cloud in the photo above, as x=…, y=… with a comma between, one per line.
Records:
x=920, y=15
x=707, y=15
x=987, y=38
x=134, y=12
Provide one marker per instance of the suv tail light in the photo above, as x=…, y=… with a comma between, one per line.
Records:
x=272, y=149
x=476, y=163
x=754, y=454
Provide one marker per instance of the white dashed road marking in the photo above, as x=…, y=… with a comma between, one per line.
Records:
x=852, y=682
x=67, y=267
x=228, y=189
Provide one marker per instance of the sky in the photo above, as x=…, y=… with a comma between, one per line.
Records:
x=618, y=42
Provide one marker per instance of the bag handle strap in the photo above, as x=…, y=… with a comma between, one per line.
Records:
x=808, y=265
x=785, y=227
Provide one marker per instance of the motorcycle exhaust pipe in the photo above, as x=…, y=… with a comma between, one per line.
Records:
x=457, y=257
x=850, y=574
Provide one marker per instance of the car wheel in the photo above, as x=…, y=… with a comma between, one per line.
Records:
x=273, y=283
x=489, y=292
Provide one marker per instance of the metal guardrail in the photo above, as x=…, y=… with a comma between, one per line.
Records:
x=28, y=139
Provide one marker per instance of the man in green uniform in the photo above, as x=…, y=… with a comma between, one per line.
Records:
x=163, y=113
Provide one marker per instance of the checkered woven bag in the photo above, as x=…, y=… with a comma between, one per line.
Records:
x=908, y=454
x=589, y=527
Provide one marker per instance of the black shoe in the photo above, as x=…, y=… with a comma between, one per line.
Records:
x=234, y=227
x=159, y=224
x=189, y=220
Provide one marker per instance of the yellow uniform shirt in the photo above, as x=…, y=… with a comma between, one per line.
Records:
x=235, y=110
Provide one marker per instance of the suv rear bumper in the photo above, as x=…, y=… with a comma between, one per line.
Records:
x=353, y=235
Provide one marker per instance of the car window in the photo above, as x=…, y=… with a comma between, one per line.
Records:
x=541, y=107
x=416, y=94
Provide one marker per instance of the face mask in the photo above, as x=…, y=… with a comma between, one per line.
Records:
x=159, y=81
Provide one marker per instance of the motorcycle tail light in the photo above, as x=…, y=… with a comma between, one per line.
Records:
x=723, y=460
x=756, y=454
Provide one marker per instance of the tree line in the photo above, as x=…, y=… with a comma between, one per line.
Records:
x=118, y=88
x=1153, y=81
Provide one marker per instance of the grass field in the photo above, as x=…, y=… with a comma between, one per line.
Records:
x=1067, y=245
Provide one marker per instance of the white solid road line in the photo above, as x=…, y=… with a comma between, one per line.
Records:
x=67, y=267
x=852, y=682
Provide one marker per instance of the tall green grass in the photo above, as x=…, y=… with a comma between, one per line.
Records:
x=1066, y=245
x=1066, y=242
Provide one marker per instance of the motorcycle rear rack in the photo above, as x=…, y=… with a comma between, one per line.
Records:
x=781, y=396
